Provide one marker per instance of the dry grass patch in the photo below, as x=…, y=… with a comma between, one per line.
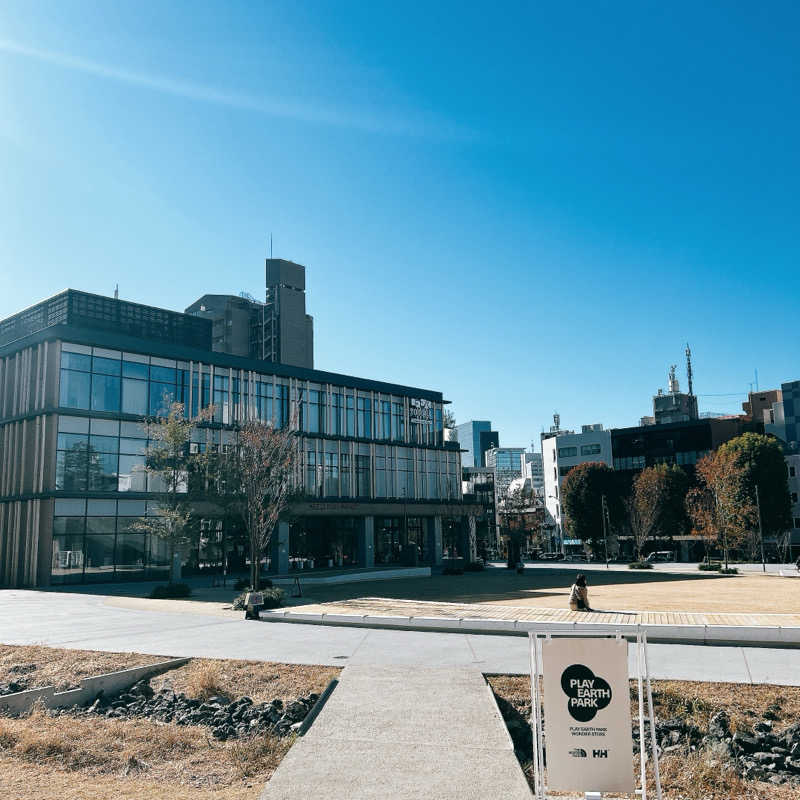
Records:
x=261, y=681
x=46, y=666
x=158, y=753
x=699, y=775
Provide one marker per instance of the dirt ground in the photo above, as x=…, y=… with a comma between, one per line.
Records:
x=91, y=757
x=615, y=590
x=695, y=776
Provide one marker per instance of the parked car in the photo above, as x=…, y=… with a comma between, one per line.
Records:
x=576, y=557
x=550, y=556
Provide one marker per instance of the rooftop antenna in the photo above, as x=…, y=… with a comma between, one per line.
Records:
x=673, y=381
x=116, y=292
x=689, y=368
x=756, y=376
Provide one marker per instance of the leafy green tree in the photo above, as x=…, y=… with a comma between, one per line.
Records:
x=582, y=500
x=762, y=464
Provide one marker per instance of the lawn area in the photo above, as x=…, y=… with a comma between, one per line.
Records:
x=614, y=590
x=78, y=757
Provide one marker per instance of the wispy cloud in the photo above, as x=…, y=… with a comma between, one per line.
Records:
x=411, y=123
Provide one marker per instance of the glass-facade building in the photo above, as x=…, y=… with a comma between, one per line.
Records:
x=80, y=373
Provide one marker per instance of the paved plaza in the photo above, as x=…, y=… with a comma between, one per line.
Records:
x=87, y=621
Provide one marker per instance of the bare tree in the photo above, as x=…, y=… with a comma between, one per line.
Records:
x=267, y=460
x=169, y=463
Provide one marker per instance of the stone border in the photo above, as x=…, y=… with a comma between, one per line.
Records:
x=111, y=683
x=308, y=721
x=774, y=636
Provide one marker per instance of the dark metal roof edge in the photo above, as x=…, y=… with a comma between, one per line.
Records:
x=100, y=338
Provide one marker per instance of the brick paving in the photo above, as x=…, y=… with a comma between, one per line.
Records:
x=390, y=607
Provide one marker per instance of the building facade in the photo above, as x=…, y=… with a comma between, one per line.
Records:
x=475, y=438
x=561, y=451
x=506, y=463
x=78, y=375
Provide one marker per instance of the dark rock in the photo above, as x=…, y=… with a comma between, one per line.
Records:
x=763, y=727
x=719, y=726
x=745, y=742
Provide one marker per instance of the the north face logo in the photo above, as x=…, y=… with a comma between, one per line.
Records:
x=587, y=693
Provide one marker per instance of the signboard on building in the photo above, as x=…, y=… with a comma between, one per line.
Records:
x=587, y=715
x=420, y=411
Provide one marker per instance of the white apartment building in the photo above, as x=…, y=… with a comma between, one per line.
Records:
x=561, y=451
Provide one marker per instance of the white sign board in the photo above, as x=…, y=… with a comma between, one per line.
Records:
x=420, y=411
x=587, y=715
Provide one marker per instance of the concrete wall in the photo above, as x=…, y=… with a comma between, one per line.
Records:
x=110, y=684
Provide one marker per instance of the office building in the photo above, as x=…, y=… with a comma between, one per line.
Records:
x=506, y=463
x=682, y=443
x=475, y=438
x=278, y=330
x=561, y=451
x=80, y=372
x=533, y=472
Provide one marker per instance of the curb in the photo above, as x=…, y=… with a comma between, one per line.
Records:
x=317, y=707
x=745, y=636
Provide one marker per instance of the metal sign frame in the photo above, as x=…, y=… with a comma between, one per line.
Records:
x=643, y=681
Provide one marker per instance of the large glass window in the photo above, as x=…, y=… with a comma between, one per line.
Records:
x=386, y=420
x=331, y=474
x=345, y=476
x=75, y=380
x=105, y=392
x=99, y=557
x=336, y=413
x=221, y=399
x=398, y=422
x=364, y=417
x=362, y=476
x=313, y=477
x=316, y=411
x=134, y=396
x=350, y=415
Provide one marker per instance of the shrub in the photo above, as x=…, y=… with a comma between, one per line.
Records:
x=474, y=566
x=729, y=571
x=204, y=680
x=170, y=590
x=640, y=565
x=273, y=598
x=706, y=566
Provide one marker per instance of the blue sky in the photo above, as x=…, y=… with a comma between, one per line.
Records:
x=531, y=207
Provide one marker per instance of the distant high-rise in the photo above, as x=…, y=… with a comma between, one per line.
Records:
x=288, y=332
x=278, y=330
x=475, y=438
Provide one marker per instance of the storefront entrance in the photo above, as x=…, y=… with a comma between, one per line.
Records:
x=323, y=543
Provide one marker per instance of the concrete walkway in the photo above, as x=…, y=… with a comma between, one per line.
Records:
x=87, y=622
x=404, y=733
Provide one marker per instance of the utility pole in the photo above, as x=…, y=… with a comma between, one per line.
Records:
x=604, y=511
x=760, y=531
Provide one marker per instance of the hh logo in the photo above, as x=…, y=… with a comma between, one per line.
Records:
x=599, y=753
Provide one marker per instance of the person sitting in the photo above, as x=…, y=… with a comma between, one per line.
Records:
x=579, y=596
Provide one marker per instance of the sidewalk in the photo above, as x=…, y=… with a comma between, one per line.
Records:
x=403, y=733
x=661, y=626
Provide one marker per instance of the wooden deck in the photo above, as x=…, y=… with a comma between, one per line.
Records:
x=384, y=607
